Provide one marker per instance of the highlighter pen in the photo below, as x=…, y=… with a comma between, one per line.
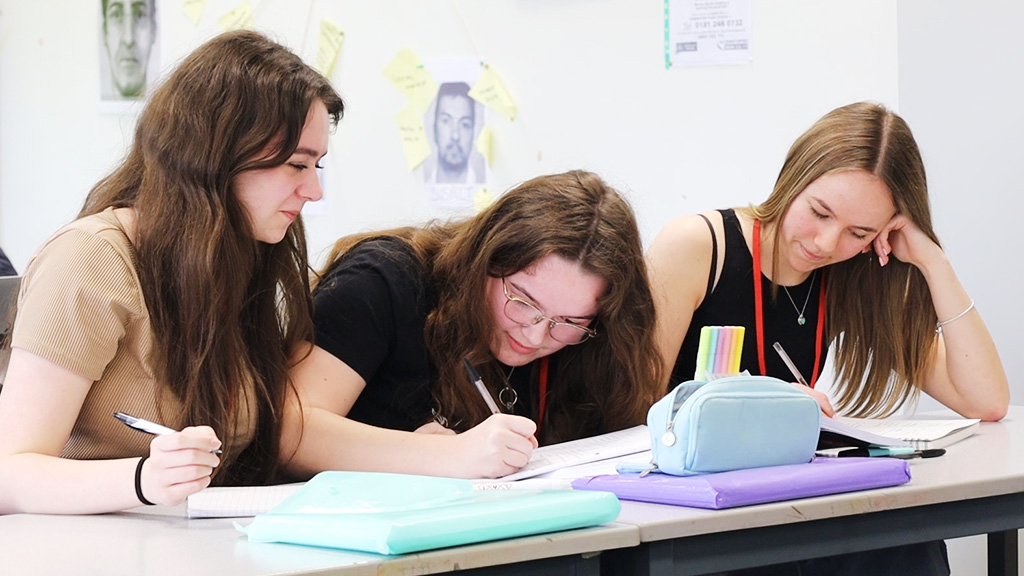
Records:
x=148, y=427
x=789, y=364
x=479, y=383
x=905, y=453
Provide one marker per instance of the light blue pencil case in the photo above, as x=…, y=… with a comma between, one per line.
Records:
x=730, y=424
x=401, y=513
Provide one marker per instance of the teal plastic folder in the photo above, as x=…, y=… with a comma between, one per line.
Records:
x=402, y=513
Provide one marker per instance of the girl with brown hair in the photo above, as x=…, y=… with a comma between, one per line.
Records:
x=175, y=296
x=544, y=292
x=841, y=253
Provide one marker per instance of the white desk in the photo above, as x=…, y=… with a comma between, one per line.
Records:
x=156, y=544
x=976, y=488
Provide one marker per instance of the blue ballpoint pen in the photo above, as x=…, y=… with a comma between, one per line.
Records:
x=143, y=425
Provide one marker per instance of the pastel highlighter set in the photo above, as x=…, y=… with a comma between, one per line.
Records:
x=719, y=351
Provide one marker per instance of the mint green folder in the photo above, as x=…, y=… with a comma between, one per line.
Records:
x=402, y=513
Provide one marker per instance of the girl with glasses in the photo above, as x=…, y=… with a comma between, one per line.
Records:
x=544, y=292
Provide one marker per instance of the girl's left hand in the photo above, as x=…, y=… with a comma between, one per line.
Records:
x=904, y=240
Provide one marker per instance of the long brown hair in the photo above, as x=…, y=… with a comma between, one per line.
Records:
x=603, y=384
x=225, y=308
x=881, y=318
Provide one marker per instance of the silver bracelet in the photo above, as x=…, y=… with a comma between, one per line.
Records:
x=939, y=325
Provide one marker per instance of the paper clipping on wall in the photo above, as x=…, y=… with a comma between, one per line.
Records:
x=707, y=32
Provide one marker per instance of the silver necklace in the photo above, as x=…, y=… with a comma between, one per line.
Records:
x=508, y=395
x=800, y=311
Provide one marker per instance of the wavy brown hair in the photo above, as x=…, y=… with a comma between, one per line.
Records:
x=881, y=318
x=603, y=384
x=225, y=308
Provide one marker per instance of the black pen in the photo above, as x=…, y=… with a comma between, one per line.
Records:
x=143, y=425
x=474, y=376
x=893, y=452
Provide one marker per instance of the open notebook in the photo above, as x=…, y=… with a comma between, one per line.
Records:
x=237, y=501
x=554, y=457
x=920, y=433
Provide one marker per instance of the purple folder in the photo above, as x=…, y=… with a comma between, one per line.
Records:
x=755, y=485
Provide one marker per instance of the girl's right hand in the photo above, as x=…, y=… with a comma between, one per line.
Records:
x=498, y=446
x=819, y=397
x=179, y=465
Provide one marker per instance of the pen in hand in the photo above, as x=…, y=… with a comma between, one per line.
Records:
x=148, y=427
x=479, y=383
x=789, y=364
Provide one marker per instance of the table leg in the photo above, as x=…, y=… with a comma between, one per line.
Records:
x=1002, y=553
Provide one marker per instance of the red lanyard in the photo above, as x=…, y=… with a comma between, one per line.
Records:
x=759, y=309
x=543, y=390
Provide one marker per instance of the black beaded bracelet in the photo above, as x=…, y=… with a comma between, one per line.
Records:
x=138, y=482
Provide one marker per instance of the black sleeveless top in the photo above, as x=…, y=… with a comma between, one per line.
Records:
x=731, y=303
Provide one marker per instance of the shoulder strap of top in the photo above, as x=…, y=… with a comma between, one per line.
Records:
x=714, y=257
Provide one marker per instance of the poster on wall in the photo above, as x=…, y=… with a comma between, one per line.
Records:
x=128, y=62
x=455, y=168
x=707, y=32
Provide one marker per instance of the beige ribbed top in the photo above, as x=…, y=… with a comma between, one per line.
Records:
x=81, y=306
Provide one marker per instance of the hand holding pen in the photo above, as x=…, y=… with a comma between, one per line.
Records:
x=179, y=463
x=143, y=425
x=501, y=444
x=821, y=399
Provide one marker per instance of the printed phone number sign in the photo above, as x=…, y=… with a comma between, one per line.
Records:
x=707, y=32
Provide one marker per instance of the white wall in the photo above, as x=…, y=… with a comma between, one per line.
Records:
x=588, y=77
x=960, y=90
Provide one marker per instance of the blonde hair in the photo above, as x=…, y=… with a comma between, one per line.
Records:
x=881, y=318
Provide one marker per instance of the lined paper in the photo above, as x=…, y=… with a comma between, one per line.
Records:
x=237, y=501
x=596, y=448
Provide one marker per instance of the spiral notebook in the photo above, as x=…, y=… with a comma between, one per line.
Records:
x=920, y=433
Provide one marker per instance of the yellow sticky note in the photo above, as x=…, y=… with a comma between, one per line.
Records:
x=414, y=136
x=331, y=38
x=193, y=9
x=482, y=198
x=490, y=91
x=240, y=17
x=484, y=144
x=407, y=73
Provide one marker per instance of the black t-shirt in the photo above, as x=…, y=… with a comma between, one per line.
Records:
x=731, y=303
x=369, y=312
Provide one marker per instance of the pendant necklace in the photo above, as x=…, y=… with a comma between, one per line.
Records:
x=508, y=395
x=800, y=311
x=759, y=311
